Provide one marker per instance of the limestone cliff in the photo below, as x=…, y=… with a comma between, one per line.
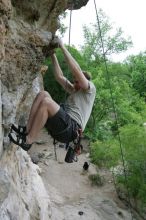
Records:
x=26, y=30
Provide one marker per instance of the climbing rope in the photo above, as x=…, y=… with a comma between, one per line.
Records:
x=69, y=37
x=70, y=22
x=114, y=109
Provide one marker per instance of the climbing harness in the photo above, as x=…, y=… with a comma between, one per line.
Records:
x=75, y=150
x=114, y=110
x=74, y=147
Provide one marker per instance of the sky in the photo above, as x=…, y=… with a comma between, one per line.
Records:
x=130, y=15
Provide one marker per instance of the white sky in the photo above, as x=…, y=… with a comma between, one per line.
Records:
x=130, y=15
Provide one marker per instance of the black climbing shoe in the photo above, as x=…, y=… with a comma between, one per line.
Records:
x=19, y=130
x=19, y=140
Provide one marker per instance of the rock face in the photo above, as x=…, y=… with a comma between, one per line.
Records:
x=26, y=30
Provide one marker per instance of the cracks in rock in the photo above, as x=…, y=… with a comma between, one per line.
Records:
x=53, y=6
x=57, y=8
x=27, y=10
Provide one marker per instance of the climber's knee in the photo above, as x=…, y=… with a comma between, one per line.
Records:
x=50, y=105
x=42, y=95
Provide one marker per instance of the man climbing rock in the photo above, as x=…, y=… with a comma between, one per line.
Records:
x=63, y=123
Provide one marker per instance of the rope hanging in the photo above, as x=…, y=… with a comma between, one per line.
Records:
x=70, y=22
x=114, y=108
x=69, y=37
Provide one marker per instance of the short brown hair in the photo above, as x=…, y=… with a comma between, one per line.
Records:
x=87, y=75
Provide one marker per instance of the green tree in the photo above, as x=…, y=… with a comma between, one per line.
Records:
x=137, y=68
x=114, y=95
x=133, y=139
x=62, y=27
x=113, y=42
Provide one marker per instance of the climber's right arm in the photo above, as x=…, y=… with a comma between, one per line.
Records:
x=60, y=78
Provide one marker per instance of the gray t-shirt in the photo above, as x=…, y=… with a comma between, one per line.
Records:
x=80, y=103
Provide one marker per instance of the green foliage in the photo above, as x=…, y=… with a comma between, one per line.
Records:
x=62, y=28
x=114, y=93
x=97, y=179
x=137, y=67
x=105, y=154
x=101, y=131
x=113, y=42
x=133, y=139
x=131, y=114
x=108, y=154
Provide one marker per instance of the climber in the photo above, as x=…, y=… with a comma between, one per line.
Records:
x=63, y=123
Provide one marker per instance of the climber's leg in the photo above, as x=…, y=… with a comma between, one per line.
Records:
x=47, y=108
x=39, y=98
